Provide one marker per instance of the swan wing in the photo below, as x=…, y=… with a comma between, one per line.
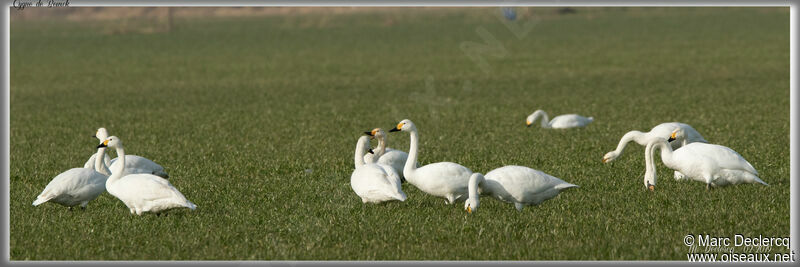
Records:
x=525, y=185
x=721, y=156
x=148, y=188
x=73, y=186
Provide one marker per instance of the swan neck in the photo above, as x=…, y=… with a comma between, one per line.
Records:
x=545, y=118
x=411, y=162
x=359, y=154
x=666, y=152
x=650, y=168
x=473, y=184
x=381, y=147
x=99, y=164
x=635, y=136
x=116, y=173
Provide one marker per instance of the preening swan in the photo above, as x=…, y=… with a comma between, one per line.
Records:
x=559, y=122
x=75, y=186
x=133, y=163
x=384, y=155
x=374, y=182
x=518, y=185
x=659, y=131
x=141, y=192
x=441, y=179
x=711, y=164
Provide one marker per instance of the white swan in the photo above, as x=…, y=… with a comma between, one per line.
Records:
x=442, y=179
x=141, y=192
x=659, y=131
x=374, y=182
x=75, y=186
x=711, y=164
x=559, y=122
x=133, y=163
x=518, y=185
x=384, y=155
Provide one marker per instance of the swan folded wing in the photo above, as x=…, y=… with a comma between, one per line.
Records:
x=446, y=175
x=148, y=187
x=724, y=157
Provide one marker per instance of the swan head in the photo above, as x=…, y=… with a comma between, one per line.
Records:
x=376, y=133
x=404, y=125
x=610, y=156
x=473, y=202
x=111, y=141
x=677, y=134
x=471, y=205
x=532, y=118
x=650, y=180
x=101, y=134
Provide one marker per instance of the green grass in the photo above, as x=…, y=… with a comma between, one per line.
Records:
x=238, y=109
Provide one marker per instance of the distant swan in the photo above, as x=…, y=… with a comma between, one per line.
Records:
x=518, y=185
x=711, y=164
x=559, y=122
x=76, y=186
x=442, y=179
x=374, y=182
x=141, y=192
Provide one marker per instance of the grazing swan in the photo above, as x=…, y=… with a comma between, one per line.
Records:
x=711, y=164
x=663, y=131
x=441, y=179
x=133, y=163
x=384, y=155
x=75, y=186
x=514, y=184
x=559, y=122
x=141, y=192
x=374, y=182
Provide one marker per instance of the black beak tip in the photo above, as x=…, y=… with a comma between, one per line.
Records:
x=670, y=139
x=101, y=145
x=368, y=133
x=371, y=152
x=394, y=130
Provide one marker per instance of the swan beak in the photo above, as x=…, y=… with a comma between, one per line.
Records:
x=605, y=160
x=394, y=130
x=469, y=210
x=528, y=123
x=103, y=144
x=370, y=151
x=652, y=188
x=671, y=137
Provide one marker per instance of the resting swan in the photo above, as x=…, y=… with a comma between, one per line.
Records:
x=659, y=131
x=518, y=185
x=384, y=155
x=559, y=122
x=141, y=192
x=75, y=186
x=374, y=182
x=711, y=164
x=441, y=179
x=133, y=163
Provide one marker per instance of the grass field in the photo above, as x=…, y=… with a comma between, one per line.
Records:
x=256, y=120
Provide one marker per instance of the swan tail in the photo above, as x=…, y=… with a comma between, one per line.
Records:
x=42, y=199
x=758, y=180
x=563, y=186
x=401, y=196
x=161, y=173
x=190, y=205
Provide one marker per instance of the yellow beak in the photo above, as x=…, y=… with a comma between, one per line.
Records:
x=105, y=142
x=469, y=209
x=605, y=160
x=528, y=123
x=652, y=188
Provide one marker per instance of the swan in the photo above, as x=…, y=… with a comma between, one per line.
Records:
x=133, y=163
x=75, y=186
x=559, y=122
x=441, y=179
x=518, y=185
x=374, y=182
x=714, y=165
x=384, y=155
x=663, y=131
x=141, y=192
